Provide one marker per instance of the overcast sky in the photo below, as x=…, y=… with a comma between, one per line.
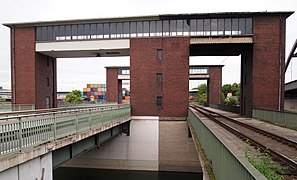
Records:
x=75, y=73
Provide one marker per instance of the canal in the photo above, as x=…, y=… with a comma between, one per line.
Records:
x=67, y=173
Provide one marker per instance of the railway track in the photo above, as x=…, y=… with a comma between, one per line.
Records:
x=280, y=148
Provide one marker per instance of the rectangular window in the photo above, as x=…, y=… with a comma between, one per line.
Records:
x=100, y=31
x=44, y=33
x=221, y=25
x=113, y=30
x=47, y=61
x=200, y=27
x=159, y=78
x=50, y=33
x=47, y=81
x=186, y=28
x=146, y=28
x=74, y=32
x=38, y=33
x=193, y=27
x=173, y=28
x=159, y=28
x=133, y=30
x=249, y=25
x=234, y=26
x=227, y=26
x=214, y=27
x=241, y=26
x=126, y=29
x=166, y=28
x=159, y=54
x=159, y=101
x=139, y=29
x=119, y=30
x=93, y=31
x=179, y=27
x=153, y=28
x=106, y=31
x=206, y=27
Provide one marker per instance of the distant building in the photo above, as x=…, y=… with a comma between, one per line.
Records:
x=5, y=94
x=61, y=96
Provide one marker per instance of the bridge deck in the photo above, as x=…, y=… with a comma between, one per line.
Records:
x=21, y=134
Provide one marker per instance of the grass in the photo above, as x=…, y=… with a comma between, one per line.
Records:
x=263, y=162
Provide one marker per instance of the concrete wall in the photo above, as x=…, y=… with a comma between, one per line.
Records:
x=291, y=105
x=39, y=168
x=174, y=67
x=139, y=151
x=30, y=71
x=176, y=149
x=153, y=145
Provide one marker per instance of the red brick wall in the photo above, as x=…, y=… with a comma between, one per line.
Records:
x=112, y=85
x=144, y=67
x=31, y=70
x=266, y=62
x=45, y=68
x=23, y=65
x=215, y=85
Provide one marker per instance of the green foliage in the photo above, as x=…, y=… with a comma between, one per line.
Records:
x=263, y=163
x=74, y=97
x=202, y=96
x=1, y=99
x=202, y=99
x=230, y=102
x=235, y=90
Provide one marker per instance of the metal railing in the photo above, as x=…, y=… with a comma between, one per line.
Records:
x=19, y=132
x=227, y=163
x=16, y=107
x=286, y=119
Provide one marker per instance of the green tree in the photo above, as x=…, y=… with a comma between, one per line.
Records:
x=74, y=97
x=202, y=95
x=227, y=88
x=231, y=88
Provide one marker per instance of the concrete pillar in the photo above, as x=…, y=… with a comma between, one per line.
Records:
x=39, y=168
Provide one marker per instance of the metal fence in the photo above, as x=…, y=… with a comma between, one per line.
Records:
x=226, y=163
x=286, y=119
x=16, y=107
x=19, y=132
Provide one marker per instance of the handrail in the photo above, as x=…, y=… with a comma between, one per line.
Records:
x=17, y=113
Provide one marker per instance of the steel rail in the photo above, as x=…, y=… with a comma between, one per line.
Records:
x=283, y=158
x=290, y=142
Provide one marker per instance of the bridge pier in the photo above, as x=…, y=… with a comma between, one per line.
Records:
x=39, y=168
